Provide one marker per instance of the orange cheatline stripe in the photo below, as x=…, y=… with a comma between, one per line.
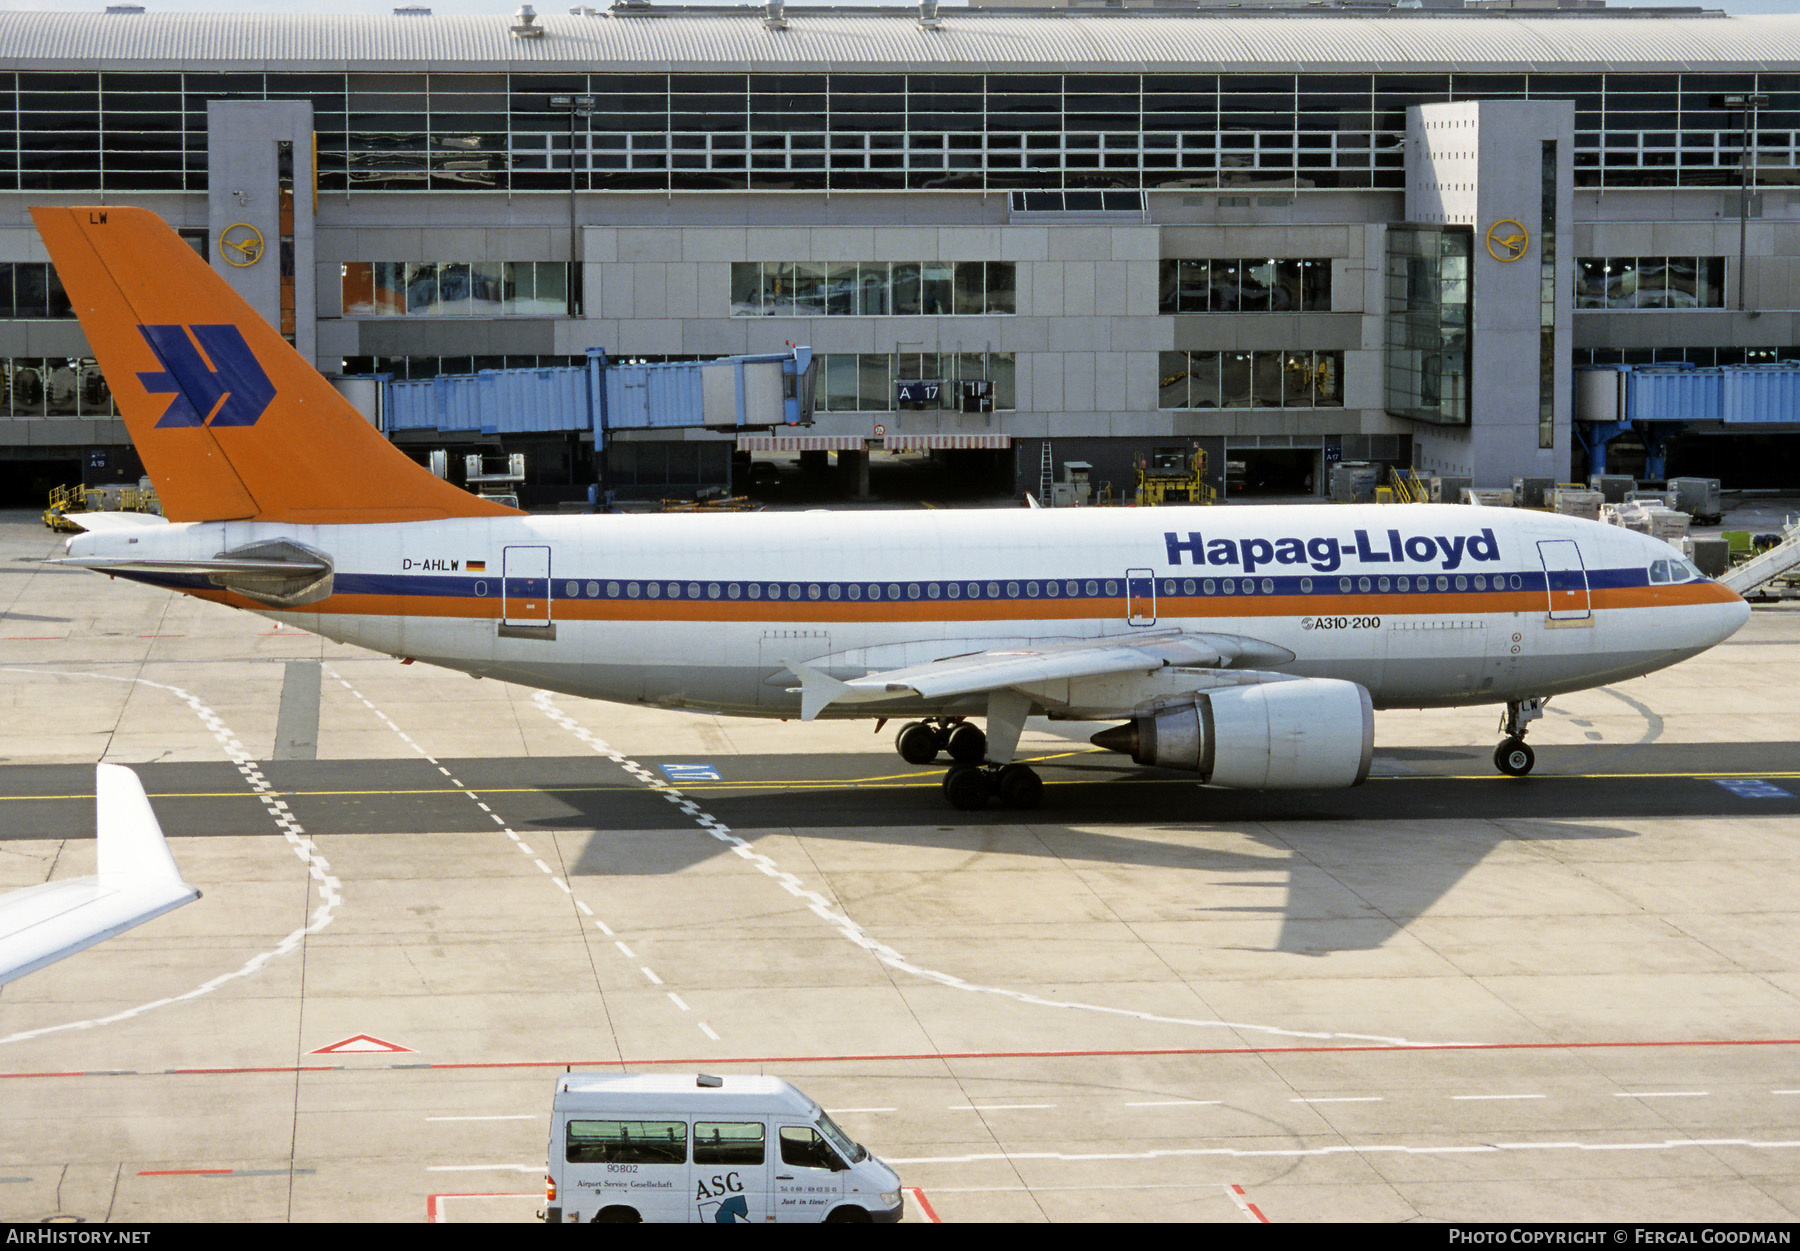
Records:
x=1168, y=609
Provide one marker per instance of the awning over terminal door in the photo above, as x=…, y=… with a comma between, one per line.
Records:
x=801, y=443
x=933, y=442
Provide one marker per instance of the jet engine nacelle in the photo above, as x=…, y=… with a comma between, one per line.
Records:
x=1305, y=733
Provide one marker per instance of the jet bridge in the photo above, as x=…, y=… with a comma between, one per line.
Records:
x=756, y=392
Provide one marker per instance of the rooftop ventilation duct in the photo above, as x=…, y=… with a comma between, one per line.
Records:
x=928, y=15
x=124, y=8
x=412, y=10
x=773, y=15
x=525, y=23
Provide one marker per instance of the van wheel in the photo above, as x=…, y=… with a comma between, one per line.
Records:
x=618, y=1216
x=847, y=1216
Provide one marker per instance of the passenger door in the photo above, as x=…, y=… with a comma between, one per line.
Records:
x=1140, y=597
x=1565, y=578
x=525, y=591
x=809, y=1177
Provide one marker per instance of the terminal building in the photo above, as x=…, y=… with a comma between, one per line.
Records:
x=1010, y=236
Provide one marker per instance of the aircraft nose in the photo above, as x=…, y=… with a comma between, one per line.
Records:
x=1732, y=616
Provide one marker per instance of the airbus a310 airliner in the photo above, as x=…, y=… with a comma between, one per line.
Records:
x=1250, y=646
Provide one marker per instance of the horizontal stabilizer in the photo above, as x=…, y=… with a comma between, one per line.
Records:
x=101, y=522
x=137, y=880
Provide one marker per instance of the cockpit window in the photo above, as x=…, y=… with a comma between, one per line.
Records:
x=1659, y=571
x=1684, y=571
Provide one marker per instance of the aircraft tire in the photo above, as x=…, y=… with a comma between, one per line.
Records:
x=967, y=744
x=1514, y=758
x=966, y=787
x=917, y=743
x=1019, y=786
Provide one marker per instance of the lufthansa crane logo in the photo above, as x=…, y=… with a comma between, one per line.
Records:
x=1507, y=240
x=241, y=244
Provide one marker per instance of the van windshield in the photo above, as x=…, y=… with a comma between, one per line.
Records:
x=851, y=1151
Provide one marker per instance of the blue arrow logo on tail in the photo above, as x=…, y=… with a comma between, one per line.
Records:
x=232, y=391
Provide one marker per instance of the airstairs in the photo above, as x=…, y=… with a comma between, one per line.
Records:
x=1759, y=571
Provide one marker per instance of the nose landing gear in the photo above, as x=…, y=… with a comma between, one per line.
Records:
x=1513, y=757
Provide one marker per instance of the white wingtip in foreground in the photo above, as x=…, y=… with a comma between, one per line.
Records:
x=137, y=880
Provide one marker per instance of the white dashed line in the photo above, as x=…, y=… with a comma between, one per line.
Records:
x=850, y=930
x=510, y=833
x=1476, y=1098
x=1342, y=1099
x=331, y=892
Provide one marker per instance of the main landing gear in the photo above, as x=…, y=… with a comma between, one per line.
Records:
x=983, y=767
x=1513, y=757
x=921, y=742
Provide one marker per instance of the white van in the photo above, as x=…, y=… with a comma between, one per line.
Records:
x=726, y=1149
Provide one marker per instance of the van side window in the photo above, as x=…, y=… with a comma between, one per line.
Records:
x=723, y=1142
x=627, y=1142
x=804, y=1148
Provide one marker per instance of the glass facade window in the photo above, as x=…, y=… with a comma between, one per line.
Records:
x=1702, y=357
x=1075, y=139
x=54, y=387
x=1428, y=299
x=455, y=288
x=1616, y=282
x=32, y=291
x=866, y=382
x=1252, y=379
x=872, y=288
x=413, y=368
x=1244, y=286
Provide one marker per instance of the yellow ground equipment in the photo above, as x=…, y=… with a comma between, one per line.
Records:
x=66, y=500
x=1174, y=475
x=1408, y=487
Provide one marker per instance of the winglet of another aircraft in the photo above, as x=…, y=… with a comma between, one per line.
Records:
x=137, y=880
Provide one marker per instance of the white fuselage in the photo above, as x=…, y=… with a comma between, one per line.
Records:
x=1421, y=604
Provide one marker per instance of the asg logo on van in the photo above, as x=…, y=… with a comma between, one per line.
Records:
x=225, y=387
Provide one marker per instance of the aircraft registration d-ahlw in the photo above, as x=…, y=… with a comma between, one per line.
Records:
x=1250, y=646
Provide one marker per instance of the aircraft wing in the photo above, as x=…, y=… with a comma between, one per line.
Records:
x=1001, y=668
x=137, y=880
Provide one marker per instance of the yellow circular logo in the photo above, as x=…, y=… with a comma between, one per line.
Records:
x=241, y=244
x=1507, y=240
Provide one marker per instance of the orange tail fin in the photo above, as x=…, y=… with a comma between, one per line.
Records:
x=231, y=421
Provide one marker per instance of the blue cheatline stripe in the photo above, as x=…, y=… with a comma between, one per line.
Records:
x=463, y=586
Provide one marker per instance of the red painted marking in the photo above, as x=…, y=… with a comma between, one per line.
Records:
x=704, y=1061
x=924, y=1204
x=1244, y=1203
x=359, y=1044
x=184, y=1172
